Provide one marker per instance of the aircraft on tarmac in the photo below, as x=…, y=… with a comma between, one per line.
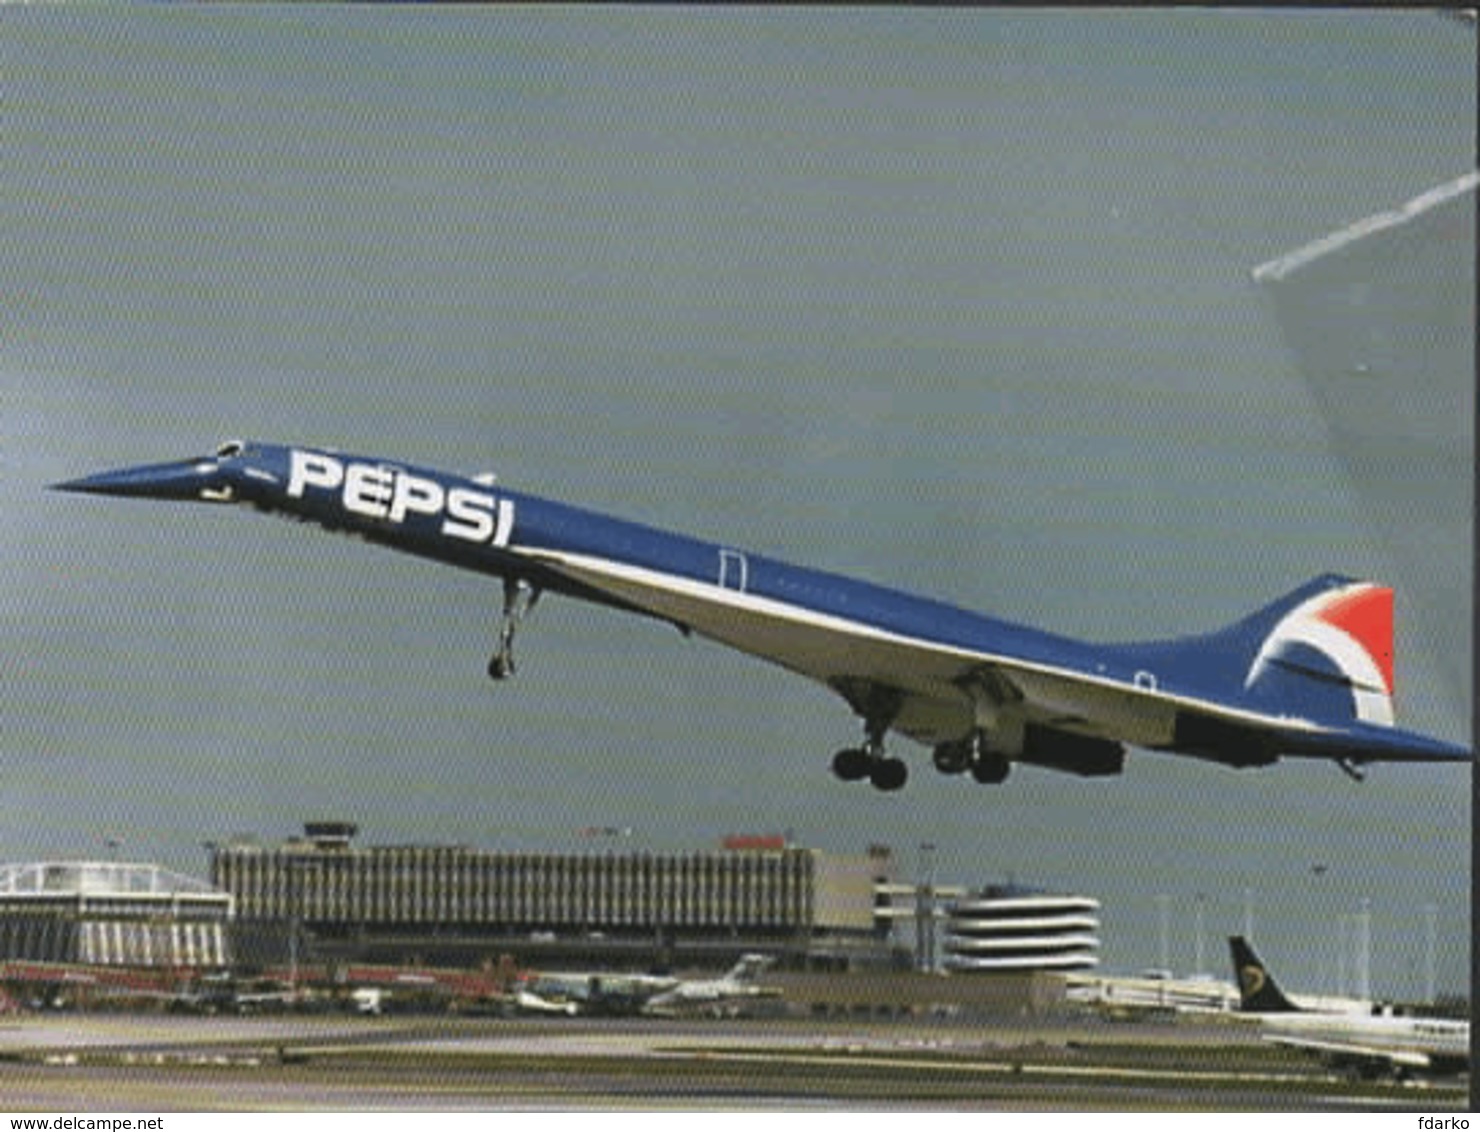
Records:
x=587, y=992
x=1366, y=1044
x=602, y=992
x=1308, y=675
x=714, y=995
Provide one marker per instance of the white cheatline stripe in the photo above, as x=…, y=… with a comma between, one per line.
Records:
x=590, y=569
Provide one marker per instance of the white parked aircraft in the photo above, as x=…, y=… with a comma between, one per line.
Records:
x=1367, y=1045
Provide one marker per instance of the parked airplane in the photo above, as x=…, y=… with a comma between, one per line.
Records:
x=1309, y=675
x=715, y=995
x=593, y=992
x=1366, y=1045
x=588, y=992
x=1155, y=991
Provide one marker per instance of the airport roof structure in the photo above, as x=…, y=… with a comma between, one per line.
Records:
x=101, y=879
x=112, y=914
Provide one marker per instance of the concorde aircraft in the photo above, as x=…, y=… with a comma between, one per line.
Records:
x=1308, y=675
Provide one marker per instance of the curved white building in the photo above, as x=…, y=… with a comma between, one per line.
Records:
x=1013, y=928
x=110, y=913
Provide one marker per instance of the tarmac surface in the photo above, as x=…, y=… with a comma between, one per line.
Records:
x=151, y=1064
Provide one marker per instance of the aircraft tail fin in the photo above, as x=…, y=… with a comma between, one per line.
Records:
x=1322, y=652
x=749, y=968
x=1258, y=993
x=1330, y=654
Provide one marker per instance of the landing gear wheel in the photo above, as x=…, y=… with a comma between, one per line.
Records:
x=952, y=758
x=889, y=774
x=990, y=767
x=852, y=764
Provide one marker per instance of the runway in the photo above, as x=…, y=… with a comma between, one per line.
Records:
x=155, y=1064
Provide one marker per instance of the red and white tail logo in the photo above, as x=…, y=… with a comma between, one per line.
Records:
x=1353, y=627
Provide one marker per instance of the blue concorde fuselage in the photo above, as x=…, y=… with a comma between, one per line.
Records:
x=1308, y=674
x=476, y=524
x=489, y=528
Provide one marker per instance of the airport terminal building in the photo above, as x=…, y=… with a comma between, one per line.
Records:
x=444, y=904
x=112, y=914
x=321, y=900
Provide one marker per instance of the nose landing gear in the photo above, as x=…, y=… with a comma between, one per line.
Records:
x=520, y=598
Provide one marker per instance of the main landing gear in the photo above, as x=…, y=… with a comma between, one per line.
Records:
x=972, y=754
x=869, y=761
x=520, y=598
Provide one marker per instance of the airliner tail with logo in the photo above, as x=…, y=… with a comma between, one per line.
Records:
x=1309, y=675
x=1366, y=1045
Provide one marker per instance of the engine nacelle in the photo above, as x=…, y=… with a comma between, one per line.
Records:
x=1076, y=754
x=1204, y=737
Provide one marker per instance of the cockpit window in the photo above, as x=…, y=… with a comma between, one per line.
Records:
x=230, y=448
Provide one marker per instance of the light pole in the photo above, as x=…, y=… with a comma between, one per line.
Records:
x=1164, y=917
x=1318, y=871
x=1201, y=967
x=925, y=910
x=1431, y=916
x=294, y=913
x=1364, y=951
x=296, y=866
x=1343, y=946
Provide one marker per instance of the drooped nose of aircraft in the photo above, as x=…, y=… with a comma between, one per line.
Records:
x=182, y=479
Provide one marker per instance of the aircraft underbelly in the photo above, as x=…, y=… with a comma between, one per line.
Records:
x=820, y=646
x=1109, y=711
x=942, y=702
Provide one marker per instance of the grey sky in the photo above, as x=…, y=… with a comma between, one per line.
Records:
x=957, y=301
